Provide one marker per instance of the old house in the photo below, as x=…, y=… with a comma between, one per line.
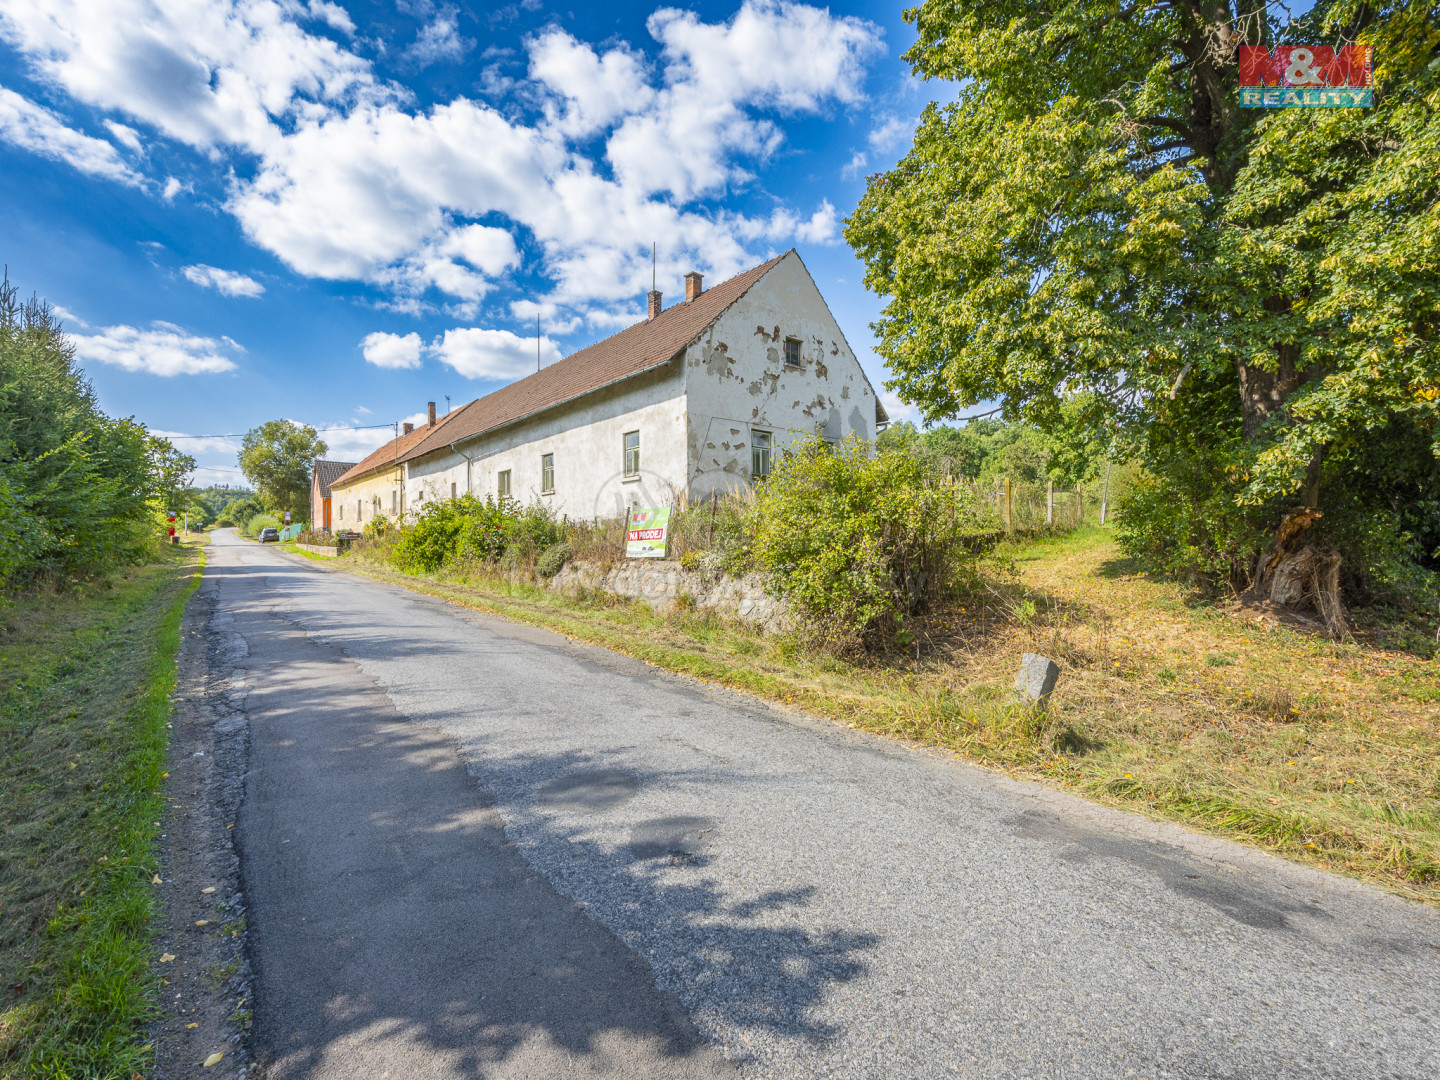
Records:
x=377, y=484
x=699, y=397
x=324, y=474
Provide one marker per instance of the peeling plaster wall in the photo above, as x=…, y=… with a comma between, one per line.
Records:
x=587, y=438
x=736, y=379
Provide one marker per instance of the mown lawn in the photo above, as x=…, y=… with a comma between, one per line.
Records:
x=1170, y=705
x=85, y=683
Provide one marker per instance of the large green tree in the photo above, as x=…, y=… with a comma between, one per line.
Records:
x=278, y=457
x=78, y=488
x=1247, y=297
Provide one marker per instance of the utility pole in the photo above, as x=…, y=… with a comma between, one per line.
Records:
x=1105, y=496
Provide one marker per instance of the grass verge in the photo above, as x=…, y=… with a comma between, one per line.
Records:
x=1322, y=752
x=86, y=679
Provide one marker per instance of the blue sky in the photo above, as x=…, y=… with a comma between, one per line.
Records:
x=336, y=211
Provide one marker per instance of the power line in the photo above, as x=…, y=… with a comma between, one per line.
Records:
x=242, y=434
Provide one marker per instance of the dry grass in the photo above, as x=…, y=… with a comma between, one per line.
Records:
x=1322, y=752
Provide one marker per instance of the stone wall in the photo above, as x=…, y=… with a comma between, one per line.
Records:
x=661, y=582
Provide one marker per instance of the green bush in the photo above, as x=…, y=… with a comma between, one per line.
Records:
x=553, y=559
x=80, y=492
x=858, y=539
x=261, y=521
x=491, y=531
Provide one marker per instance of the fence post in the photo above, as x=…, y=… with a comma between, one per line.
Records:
x=1049, y=502
x=1105, y=494
x=1009, y=521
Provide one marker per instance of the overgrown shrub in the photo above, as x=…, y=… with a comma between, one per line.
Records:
x=553, y=559
x=858, y=539
x=487, y=531
x=261, y=521
x=427, y=544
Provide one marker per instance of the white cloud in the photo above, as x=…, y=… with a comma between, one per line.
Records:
x=590, y=91
x=65, y=315
x=165, y=349
x=492, y=355
x=173, y=187
x=225, y=282
x=889, y=135
x=439, y=39
x=205, y=72
x=391, y=350
x=898, y=410
x=124, y=134
x=333, y=15
x=858, y=161
x=35, y=128
x=345, y=179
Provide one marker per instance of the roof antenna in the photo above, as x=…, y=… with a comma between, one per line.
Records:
x=447, y=404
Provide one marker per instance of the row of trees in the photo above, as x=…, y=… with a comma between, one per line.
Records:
x=985, y=450
x=1246, y=301
x=80, y=492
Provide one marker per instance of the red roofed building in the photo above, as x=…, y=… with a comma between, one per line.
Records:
x=699, y=397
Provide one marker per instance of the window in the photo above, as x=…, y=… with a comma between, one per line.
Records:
x=504, y=485
x=547, y=474
x=394, y=501
x=359, y=510
x=792, y=352
x=759, y=454
x=632, y=453
x=341, y=508
x=452, y=489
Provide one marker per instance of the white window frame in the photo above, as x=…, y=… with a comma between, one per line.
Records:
x=761, y=453
x=789, y=341
x=631, y=466
x=502, y=484
x=547, y=473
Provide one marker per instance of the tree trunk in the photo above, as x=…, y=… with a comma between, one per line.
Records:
x=1298, y=578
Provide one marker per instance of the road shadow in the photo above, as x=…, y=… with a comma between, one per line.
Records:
x=394, y=926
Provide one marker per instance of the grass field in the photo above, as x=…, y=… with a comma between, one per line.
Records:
x=85, y=684
x=1169, y=705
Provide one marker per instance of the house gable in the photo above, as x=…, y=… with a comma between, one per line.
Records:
x=774, y=363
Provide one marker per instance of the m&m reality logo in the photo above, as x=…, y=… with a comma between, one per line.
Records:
x=1306, y=77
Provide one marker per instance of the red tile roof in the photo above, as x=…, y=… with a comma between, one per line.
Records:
x=394, y=451
x=641, y=347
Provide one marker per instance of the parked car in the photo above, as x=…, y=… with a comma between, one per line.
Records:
x=269, y=536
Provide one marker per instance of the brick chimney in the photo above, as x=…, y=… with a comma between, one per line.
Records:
x=406, y=429
x=654, y=297
x=693, y=285
x=431, y=406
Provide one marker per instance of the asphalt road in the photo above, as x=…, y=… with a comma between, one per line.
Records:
x=475, y=849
